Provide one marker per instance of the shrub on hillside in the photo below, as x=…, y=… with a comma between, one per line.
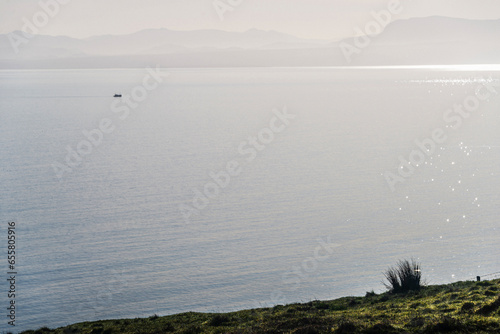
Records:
x=406, y=276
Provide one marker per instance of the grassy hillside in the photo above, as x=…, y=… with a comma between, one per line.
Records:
x=462, y=307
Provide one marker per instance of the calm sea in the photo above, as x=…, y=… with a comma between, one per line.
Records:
x=127, y=221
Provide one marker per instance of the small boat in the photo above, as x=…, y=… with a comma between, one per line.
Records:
x=118, y=95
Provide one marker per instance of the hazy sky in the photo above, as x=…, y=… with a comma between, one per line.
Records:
x=325, y=19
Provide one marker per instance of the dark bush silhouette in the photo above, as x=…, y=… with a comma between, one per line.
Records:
x=406, y=276
x=467, y=307
x=489, y=308
x=347, y=327
x=445, y=325
x=219, y=320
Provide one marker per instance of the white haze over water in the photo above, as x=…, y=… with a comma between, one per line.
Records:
x=108, y=240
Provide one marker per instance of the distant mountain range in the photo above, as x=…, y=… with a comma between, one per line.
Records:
x=417, y=41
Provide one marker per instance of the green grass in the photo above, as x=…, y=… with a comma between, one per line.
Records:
x=462, y=307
